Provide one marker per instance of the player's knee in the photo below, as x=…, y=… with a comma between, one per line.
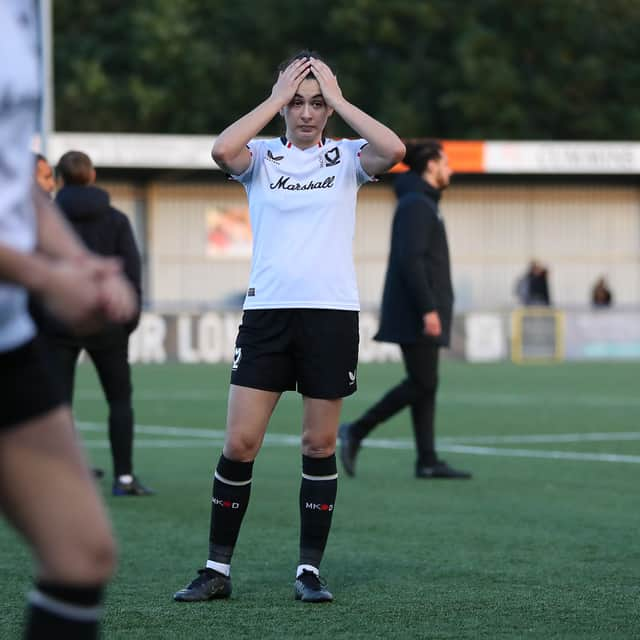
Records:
x=89, y=559
x=104, y=555
x=318, y=446
x=241, y=448
x=99, y=559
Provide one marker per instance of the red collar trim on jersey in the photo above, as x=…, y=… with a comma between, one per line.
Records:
x=289, y=144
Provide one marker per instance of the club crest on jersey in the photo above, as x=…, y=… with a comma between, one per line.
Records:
x=332, y=157
x=272, y=158
x=236, y=358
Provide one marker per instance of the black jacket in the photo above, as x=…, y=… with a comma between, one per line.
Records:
x=106, y=231
x=418, y=275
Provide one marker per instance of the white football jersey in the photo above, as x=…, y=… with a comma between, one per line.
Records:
x=19, y=103
x=302, y=205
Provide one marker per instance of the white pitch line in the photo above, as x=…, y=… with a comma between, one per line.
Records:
x=550, y=437
x=216, y=437
x=531, y=453
x=395, y=443
x=207, y=434
x=146, y=443
x=477, y=451
x=444, y=397
x=159, y=430
x=537, y=400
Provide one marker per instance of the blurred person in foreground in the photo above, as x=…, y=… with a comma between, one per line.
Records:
x=416, y=311
x=107, y=232
x=46, y=490
x=300, y=323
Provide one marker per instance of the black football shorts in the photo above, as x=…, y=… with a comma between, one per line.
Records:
x=28, y=384
x=312, y=350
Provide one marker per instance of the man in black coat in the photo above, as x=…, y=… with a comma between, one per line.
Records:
x=417, y=308
x=107, y=232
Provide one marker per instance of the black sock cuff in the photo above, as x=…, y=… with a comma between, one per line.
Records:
x=234, y=471
x=319, y=466
x=85, y=596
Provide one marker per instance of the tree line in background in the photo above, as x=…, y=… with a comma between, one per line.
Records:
x=477, y=69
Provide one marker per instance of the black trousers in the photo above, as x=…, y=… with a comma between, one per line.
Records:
x=114, y=372
x=417, y=391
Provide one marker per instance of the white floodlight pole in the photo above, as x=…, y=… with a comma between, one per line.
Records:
x=46, y=70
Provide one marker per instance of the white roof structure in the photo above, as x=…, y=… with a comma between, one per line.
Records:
x=136, y=150
x=161, y=151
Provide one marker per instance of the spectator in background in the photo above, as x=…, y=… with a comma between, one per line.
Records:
x=532, y=288
x=601, y=295
x=45, y=179
x=108, y=232
x=417, y=306
x=44, y=174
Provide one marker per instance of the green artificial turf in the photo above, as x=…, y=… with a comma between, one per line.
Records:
x=541, y=543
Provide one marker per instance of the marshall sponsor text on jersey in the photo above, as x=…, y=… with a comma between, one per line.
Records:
x=283, y=183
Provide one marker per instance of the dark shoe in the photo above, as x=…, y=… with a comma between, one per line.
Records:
x=133, y=488
x=97, y=473
x=440, y=470
x=349, y=447
x=209, y=585
x=311, y=588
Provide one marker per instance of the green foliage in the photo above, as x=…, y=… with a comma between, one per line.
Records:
x=492, y=69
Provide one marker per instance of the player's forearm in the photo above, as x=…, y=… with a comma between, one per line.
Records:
x=28, y=270
x=233, y=140
x=385, y=145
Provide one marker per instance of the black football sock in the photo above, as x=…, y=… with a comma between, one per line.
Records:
x=317, y=498
x=230, y=497
x=63, y=611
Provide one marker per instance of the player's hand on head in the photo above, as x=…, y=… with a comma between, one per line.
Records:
x=328, y=82
x=289, y=80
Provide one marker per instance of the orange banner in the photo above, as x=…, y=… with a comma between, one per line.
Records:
x=465, y=156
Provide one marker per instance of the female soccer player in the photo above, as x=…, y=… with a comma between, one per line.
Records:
x=300, y=324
